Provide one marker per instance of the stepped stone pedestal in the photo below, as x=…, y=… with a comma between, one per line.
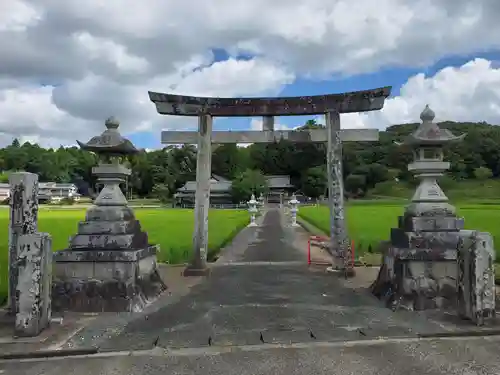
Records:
x=109, y=264
x=419, y=269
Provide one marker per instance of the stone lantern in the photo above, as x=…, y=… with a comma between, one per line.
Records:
x=109, y=264
x=261, y=200
x=294, y=209
x=427, y=144
x=419, y=264
x=252, y=208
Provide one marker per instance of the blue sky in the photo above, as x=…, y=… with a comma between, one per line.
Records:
x=111, y=60
x=393, y=76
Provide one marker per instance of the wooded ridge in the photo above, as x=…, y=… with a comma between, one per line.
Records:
x=162, y=172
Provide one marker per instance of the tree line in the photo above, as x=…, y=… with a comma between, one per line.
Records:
x=161, y=172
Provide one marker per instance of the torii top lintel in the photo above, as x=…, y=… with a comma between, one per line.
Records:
x=357, y=101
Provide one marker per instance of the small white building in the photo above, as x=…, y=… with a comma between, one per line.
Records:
x=53, y=191
x=47, y=191
x=4, y=192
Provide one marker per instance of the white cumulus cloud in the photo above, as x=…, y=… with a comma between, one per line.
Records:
x=67, y=65
x=470, y=92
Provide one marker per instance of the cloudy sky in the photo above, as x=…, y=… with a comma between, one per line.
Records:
x=66, y=65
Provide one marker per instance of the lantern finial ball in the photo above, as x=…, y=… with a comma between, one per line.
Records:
x=427, y=114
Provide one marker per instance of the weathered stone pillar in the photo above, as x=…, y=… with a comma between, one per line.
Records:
x=23, y=220
x=34, y=284
x=476, y=276
x=338, y=230
x=268, y=123
x=198, y=264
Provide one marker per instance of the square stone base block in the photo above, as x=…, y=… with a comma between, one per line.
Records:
x=417, y=285
x=105, y=280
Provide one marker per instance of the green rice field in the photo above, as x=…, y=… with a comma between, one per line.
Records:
x=170, y=228
x=370, y=223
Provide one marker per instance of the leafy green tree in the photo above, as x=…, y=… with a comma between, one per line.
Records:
x=161, y=192
x=228, y=161
x=482, y=173
x=247, y=183
x=382, y=164
x=447, y=182
x=355, y=184
x=392, y=174
x=314, y=181
x=373, y=173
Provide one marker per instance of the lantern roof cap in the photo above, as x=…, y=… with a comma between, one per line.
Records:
x=110, y=141
x=429, y=133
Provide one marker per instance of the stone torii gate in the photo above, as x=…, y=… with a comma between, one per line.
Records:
x=205, y=108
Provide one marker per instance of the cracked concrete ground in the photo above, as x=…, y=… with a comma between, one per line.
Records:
x=264, y=311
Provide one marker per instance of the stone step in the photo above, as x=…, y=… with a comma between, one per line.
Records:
x=109, y=241
x=109, y=227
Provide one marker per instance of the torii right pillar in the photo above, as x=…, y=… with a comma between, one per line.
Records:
x=339, y=242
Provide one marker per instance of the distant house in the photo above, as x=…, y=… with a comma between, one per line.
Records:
x=53, y=191
x=47, y=191
x=4, y=192
x=220, y=190
x=279, y=187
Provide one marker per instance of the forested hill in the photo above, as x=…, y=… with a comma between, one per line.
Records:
x=365, y=164
x=480, y=148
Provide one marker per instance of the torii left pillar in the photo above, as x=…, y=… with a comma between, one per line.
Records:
x=198, y=265
x=23, y=220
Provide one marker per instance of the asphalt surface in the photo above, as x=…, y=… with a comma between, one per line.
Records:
x=276, y=318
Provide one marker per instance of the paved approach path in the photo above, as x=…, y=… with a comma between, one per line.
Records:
x=250, y=317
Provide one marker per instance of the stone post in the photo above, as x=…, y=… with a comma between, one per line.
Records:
x=293, y=210
x=23, y=220
x=34, y=284
x=261, y=200
x=198, y=265
x=476, y=277
x=338, y=231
